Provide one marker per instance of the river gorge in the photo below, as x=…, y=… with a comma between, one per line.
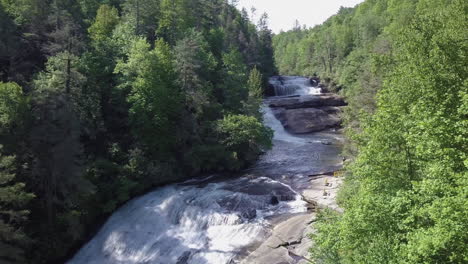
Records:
x=262, y=215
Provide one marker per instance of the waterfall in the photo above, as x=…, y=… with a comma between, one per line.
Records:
x=293, y=85
x=190, y=223
x=280, y=133
x=194, y=222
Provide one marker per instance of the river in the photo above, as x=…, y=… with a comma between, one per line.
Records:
x=217, y=220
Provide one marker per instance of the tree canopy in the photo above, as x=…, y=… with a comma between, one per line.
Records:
x=102, y=100
x=402, y=67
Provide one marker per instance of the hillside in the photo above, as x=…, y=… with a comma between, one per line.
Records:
x=402, y=67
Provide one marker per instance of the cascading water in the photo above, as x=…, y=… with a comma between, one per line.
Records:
x=191, y=223
x=280, y=133
x=213, y=220
x=293, y=85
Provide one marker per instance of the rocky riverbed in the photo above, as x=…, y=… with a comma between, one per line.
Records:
x=315, y=117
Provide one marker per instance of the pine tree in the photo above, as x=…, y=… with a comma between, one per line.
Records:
x=13, y=213
x=13, y=197
x=254, y=100
x=58, y=154
x=235, y=80
x=195, y=66
x=143, y=17
x=107, y=18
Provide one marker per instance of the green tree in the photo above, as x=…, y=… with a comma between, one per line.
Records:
x=195, y=64
x=254, y=100
x=13, y=197
x=13, y=105
x=265, y=49
x=58, y=155
x=405, y=198
x=13, y=213
x=142, y=16
x=244, y=137
x=106, y=20
x=235, y=80
x=175, y=19
x=155, y=99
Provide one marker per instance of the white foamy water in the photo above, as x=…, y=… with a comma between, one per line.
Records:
x=190, y=224
x=280, y=133
x=293, y=85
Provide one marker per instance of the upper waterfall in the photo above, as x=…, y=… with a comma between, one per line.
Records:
x=293, y=85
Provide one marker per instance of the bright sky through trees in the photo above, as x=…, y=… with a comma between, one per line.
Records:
x=284, y=13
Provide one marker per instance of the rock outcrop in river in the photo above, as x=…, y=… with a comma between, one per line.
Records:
x=308, y=113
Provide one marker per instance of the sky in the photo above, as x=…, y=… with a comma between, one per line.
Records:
x=283, y=13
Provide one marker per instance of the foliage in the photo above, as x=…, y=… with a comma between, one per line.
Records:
x=104, y=100
x=244, y=136
x=405, y=198
x=155, y=101
x=235, y=76
x=107, y=19
x=255, y=89
x=13, y=213
x=195, y=65
x=13, y=106
x=14, y=199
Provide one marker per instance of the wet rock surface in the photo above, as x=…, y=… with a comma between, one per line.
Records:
x=290, y=239
x=306, y=101
x=308, y=113
x=277, y=248
x=307, y=120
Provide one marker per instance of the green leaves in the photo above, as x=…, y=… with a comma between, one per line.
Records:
x=13, y=104
x=244, y=136
x=116, y=97
x=13, y=201
x=410, y=176
x=155, y=99
x=107, y=19
x=235, y=80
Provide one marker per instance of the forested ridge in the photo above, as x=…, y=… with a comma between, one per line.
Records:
x=101, y=100
x=402, y=66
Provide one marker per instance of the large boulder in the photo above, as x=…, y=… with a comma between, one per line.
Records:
x=308, y=120
x=307, y=101
x=281, y=246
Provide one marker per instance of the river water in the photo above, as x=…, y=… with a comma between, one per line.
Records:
x=217, y=220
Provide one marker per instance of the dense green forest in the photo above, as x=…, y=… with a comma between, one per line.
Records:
x=402, y=66
x=101, y=100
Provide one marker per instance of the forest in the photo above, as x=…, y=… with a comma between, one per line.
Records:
x=102, y=100
x=402, y=67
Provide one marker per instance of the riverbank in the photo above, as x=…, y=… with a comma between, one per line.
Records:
x=290, y=239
